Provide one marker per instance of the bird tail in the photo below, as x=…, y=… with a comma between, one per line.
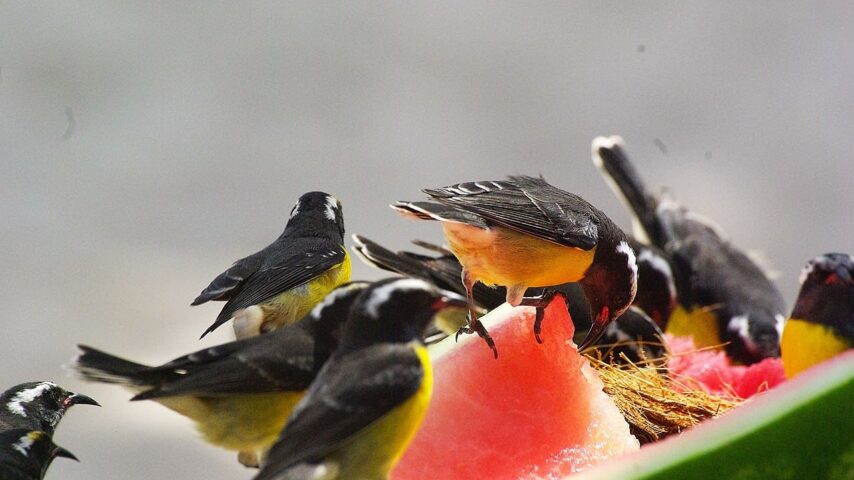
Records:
x=380, y=257
x=438, y=211
x=610, y=157
x=97, y=366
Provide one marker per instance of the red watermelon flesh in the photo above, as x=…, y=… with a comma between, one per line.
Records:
x=712, y=371
x=538, y=411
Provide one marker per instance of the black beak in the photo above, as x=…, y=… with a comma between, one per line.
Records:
x=596, y=329
x=80, y=399
x=61, y=452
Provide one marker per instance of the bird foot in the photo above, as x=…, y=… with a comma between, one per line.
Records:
x=540, y=302
x=476, y=326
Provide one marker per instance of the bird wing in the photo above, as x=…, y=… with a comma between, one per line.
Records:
x=224, y=285
x=349, y=394
x=302, y=261
x=283, y=360
x=528, y=205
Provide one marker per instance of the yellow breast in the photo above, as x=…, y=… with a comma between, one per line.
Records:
x=805, y=344
x=501, y=256
x=699, y=324
x=376, y=450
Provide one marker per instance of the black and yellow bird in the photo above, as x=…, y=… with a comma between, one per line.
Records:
x=444, y=270
x=27, y=454
x=239, y=394
x=281, y=283
x=37, y=406
x=523, y=232
x=631, y=333
x=367, y=403
x=822, y=321
x=724, y=298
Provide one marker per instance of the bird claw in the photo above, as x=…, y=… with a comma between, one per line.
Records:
x=476, y=326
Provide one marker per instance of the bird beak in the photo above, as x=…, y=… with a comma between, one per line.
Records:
x=450, y=300
x=61, y=452
x=596, y=329
x=80, y=399
x=843, y=274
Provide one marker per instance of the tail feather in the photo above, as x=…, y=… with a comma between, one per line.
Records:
x=438, y=211
x=383, y=258
x=97, y=366
x=617, y=169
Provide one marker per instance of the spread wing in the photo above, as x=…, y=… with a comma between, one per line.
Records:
x=351, y=393
x=529, y=205
x=284, y=360
x=304, y=260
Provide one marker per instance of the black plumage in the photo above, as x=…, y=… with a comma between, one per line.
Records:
x=311, y=244
x=27, y=454
x=710, y=272
x=37, y=406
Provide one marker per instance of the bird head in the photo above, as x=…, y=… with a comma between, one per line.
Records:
x=33, y=451
x=656, y=291
x=827, y=291
x=610, y=285
x=45, y=402
x=316, y=212
x=328, y=316
x=397, y=310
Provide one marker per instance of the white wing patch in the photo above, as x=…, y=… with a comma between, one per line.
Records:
x=16, y=405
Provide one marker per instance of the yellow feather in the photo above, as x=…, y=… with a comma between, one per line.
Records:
x=805, y=344
x=699, y=323
x=237, y=422
x=501, y=256
x=373, y=452
x=291, y=305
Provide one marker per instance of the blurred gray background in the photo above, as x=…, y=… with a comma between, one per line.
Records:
x=145, y=146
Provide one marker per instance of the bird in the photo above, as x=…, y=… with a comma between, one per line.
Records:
x=37, y=406
x=656, y=292
x=656, y=295
x=821, y=324
x=724, y=297
x=280, y=284
x=239, y=394
x=366, y=404
x=27, y=454
x=444, y=271
x=633, y=338
x=523, y=232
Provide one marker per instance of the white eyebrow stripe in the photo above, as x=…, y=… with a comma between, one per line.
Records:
x=331, y=207
x=16, y=405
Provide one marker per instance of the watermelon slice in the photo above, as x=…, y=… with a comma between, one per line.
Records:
x=803, y=429
x=538, y=411
x=712, y=371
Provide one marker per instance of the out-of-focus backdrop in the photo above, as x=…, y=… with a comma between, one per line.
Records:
x=145, y=146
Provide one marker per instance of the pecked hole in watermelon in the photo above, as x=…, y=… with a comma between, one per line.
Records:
x=538, y=411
